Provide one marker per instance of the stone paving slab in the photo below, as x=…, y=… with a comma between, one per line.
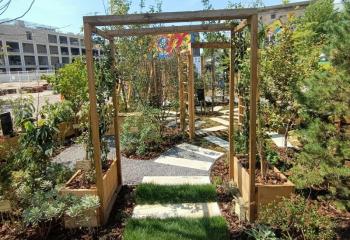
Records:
x=183, y=162
x=200, y=151
x=176, y=180
x=213, y=129
x=190, y=155
x=218, y=108
x=187, y=210
x=278, y=139
x=218, y=141
x=220, y=120
x=235, y=117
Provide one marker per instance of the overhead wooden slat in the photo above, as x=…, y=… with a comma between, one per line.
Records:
x=241, y=26
x=211, y=45
x=168, y=30
x=100, y=32
x=168, y=17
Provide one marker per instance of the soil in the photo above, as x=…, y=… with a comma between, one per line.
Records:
x=122, y=210
x=171, y=137
x=83, y=180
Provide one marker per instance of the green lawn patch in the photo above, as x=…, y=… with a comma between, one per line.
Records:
x=214, y=228
x=153, y=194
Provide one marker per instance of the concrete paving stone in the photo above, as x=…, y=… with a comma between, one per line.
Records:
x=176, y=180
x=186, y=210
x=183, y=162
x=218, y=141
x=220, y=120
x=218, y=108
x=200, y=151
x=278, y=139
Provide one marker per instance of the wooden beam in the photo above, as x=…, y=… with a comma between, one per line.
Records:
x=241, y=26
x=231, y=106
x=115, y=97
x=100, y=32
x=191, y=106
x=168, y=30
x=168, y=17
x=181, y=94
x=253, y=105
x=212, y=45
x=94, y=121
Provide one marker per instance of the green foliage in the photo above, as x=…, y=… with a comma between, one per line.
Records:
x=241, y=142
x=71, y=82
x=321, y=163
x=23, y=110
x=261, y=232
x=140, y=133
x=297, y=219
x=152, y=194
x=58, y=112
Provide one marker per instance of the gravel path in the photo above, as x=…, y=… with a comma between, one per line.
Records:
x=134, y=170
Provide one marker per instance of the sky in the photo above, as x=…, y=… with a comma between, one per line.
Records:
x=67, y=15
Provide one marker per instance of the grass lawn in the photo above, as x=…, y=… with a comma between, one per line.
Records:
x=214, y=228
x=153, y=194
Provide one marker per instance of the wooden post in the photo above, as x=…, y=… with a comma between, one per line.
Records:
x=181, y=95
x=203, y=80
x=212, y=80
x=94, y=121
x=191, y=107
x=232, y=105
x=253, y=106
x=115, y=97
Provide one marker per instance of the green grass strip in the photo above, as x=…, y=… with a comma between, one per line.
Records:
x=153, y=194
x=214, y=228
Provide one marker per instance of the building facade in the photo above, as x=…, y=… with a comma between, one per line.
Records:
x=28, y=47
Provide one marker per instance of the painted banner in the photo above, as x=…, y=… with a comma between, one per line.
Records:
x=166, y=45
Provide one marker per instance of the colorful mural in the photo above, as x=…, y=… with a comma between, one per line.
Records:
x=167, y=44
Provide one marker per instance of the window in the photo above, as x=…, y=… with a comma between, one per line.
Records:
x=30, y=69
x=74, y=41
x=83, y=51
x=29, y=35
x=15, y=69
x=43, y=60
x=65, y=60
x=53, y=50
x=64, y=51
x=12, y=46
x=75, y=51
x=29, y=60
x=52, y=38
x=41, y=49
x=15, y=60
x=2, y=70
x=63, y=40
x=82, y=42
x=95, y=52
x=28, y=48
x=273, y=16
x=55, y=60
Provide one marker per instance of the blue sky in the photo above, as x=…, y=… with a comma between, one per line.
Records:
x=67, y=14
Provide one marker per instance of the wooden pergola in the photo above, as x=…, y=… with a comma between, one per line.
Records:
x=248, y=18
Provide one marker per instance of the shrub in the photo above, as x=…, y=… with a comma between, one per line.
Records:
x=297, y=218
x=261, y=232
x=141, y=133
x=23, y=110
x=58, y=112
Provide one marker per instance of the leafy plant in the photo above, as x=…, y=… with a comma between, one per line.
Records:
x=297, y=218
x=58, y=112
x=140, y=133
x=261, y=232
x=23, y=110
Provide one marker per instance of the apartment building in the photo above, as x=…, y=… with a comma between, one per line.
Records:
x=28, y=46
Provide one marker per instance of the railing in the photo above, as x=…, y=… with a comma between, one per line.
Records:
x=24, y=76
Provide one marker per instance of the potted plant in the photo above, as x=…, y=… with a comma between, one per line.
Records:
x=83, y=182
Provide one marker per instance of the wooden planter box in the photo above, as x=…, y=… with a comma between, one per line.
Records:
x=264, y=193
x=8, y=144
x=92, y=217
x=65, y=129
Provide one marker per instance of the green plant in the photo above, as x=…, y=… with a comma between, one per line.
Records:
x=261, y=232
x=23, y=110
x=71, y=82
x=58, y=112
x=297, y=218
x=140, y=133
